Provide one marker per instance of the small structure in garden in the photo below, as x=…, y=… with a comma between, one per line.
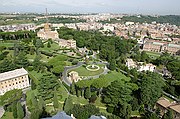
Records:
x=74, y=76
x=92, y=67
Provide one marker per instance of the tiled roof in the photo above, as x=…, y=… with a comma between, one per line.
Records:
x=13, y=74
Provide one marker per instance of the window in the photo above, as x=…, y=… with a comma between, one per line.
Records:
x=9, y=84
x=19, y=81
x=15, y=79
x=1, y=83
x=16, y=83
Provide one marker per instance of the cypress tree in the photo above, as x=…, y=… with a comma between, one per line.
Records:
x=68, y=104
x=87, y=93
x=14, y=109
x=55, y=101
x=20, y=112
x=73, y=88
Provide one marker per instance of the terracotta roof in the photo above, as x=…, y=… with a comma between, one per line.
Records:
x=175, y=107
x=164, y=102
x=13, y=74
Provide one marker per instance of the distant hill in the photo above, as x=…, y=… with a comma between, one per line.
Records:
x=172, y=19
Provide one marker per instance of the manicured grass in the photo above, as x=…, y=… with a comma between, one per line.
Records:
x=62, y=92
x=135, y=113
x=29, y=93
x=44, y=58
x=114, y=75
x=6, y=44
x=79, y=100
x=54, y=46
x=82, y=71
x=98, y=103
x=36, y=75
x=153, y=55
x=8, y=115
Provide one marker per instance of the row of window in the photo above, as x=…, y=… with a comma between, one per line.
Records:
x=10, y=80
x=17, y=87
x=14, y=84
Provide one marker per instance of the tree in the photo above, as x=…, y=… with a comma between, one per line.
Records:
x=58, y=69
x=68, y=104
x=168, y=115
x=39, y=43
x=87, y=93
x=48, y=44
x=34, y=100
x=55, y=101
x=41, y=103
x=35, y=114
x=14, y=109
x=151, y=88
x=47, y=84
x=112, y=65
x=118, y=94
x=124, y=111
x=20, y=112
x=2, y=48
x=11, y=97
x=72, y=88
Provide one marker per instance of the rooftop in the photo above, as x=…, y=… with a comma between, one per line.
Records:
x=13, y=74
x=164, y=102
x=175, y=108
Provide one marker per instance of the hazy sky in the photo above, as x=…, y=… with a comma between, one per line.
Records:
x=93, y=6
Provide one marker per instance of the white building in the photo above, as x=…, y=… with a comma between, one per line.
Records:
x=66, y=43
x=15, y=79
x=140, y=66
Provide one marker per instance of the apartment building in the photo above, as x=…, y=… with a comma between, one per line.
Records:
x=15, y=79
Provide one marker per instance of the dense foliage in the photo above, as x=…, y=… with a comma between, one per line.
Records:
x=47, y=85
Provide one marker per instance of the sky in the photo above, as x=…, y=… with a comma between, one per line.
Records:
x=161, y=7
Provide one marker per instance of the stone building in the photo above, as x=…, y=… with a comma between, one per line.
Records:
x=161, y=46
x=73, y=76
x=15, y=79
x=164, y=105
x=66, y=43
x=46, y=33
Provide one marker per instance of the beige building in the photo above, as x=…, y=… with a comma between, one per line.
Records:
x=46, y=33
x=164, y=104
x=66, y=43
x=73, y=76
x=15, y=79
x=160, y=46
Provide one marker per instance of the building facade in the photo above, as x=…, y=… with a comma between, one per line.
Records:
x=160, y=46
x=66, y=43
x=164, y=105
x=46, y=33
x=15, y=79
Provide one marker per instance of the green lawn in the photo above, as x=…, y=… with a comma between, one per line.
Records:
x=79, y=100
x=82, y=71
x=113, y=75
x=135, y=113
x=7, y=115
x=153, y=55
x=54, y=46
x=44, y=58
x=6, y=44
x=34, y=75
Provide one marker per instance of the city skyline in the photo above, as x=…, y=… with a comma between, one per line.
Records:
x=161, y=7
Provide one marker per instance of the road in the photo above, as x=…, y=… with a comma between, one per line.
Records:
x=1, y=111
x=67, y=68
